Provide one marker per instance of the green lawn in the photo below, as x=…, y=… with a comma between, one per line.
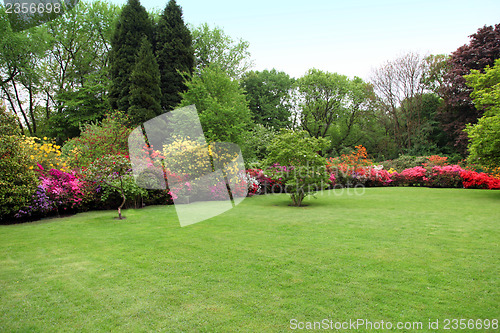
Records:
x=392, y=254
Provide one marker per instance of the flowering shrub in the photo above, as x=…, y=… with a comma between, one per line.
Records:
x=473, y=179
x=250, y=177
x=97, y=140
x=63, y=188
x=41, y=204
x=110, y=171
x=377, y=176
x=444, y=176
x=405, y=162
x=189, y=157
x=410, y=177
x=45, y=153
x=57, y=190
x=219, y=191
x=350, y=169
x=492, y=171
x=436, y=160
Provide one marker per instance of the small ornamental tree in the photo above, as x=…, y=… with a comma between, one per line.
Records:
x=110, y=136
x=297, y=164
x=111, y=171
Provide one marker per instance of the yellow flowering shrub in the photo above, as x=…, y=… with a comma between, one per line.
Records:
x=187, y=156
x=44, y=152
x=190, y=157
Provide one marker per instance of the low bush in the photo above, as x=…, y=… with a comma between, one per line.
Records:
x=447, y=176
x=410, y=177
x=480, y=180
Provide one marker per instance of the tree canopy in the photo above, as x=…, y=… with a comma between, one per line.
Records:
x=133, y=25
x=484, y=146
x=221, y=104
x=269, y=96
x=459, y=110
x=174, y=54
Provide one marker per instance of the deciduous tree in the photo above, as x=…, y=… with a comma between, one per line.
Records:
x=221, y=105
x=484, y=145
x=459, y=109
x=323, y=96
x=213, y=47
x=268, y=95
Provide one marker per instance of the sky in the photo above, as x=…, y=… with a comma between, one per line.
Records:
x=347, y=37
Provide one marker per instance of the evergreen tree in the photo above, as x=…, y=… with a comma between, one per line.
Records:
x=145, y=91
x=174, y=53
x=133, y=24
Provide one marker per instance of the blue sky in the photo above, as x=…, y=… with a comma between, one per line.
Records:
x=347, y=37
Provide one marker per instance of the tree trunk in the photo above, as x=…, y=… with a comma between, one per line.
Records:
x=121, y=206
x=123, y=201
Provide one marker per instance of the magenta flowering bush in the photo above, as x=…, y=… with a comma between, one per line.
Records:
x=377, y=176
x=57, y=191
x=410, y=177
x=447, y=176
x=64, y=188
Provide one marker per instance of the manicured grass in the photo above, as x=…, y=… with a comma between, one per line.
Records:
x=392, y=254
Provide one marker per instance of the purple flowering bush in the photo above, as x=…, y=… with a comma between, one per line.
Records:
x=57, y=191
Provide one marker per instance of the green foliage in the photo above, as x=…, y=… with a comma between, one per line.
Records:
x=437, y=66
x=299, y=166
x=255, y=143
x=20, y=57
x=74, y=73
x=323, y=96
x=112, y=171
x=82, y=106
x=339, y=109
x=214, y=47
x=484, y=137
x=133, y=193
x=354, y=121
x=221, y=104
x=268, y=95
x=486, y=93
x=405, y=162
x=484, y=146
x=17, y=181
x=98, y=139
x=458, y=110
x=174, y=53
x=133, y=24
x=9, y=124
x=145, y=91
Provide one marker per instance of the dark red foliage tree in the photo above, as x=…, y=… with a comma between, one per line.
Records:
x=458, y=109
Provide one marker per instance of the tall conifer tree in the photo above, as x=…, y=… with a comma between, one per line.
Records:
x=133, y=24
x=145, y=92
x=174, y=53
